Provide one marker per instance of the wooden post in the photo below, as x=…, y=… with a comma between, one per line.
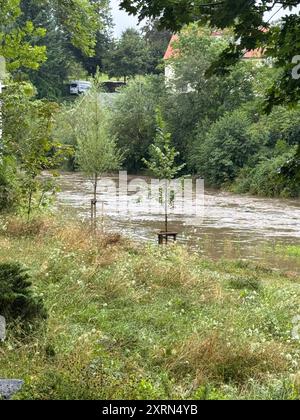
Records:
x=102, y=216
x=94, y=213
x=166, y=207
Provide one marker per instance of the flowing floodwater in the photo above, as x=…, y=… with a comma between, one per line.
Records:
x=233, y=226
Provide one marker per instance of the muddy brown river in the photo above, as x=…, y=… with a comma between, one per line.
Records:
x=232, y=226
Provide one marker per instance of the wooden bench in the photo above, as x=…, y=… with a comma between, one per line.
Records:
x=163, y=237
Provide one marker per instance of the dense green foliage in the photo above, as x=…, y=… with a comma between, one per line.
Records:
x=227, y=147
x=96, y=149
x=9, y=188
x=28, y=141
x=137, y=53
x=266, y=179
x=133, y=118
x=18, y=41
x=19, y=37
x=41, y=45
x=157, y=42
x=130, y=56
x=217, y=125
x=255, y=152
x=195, y=102
x=246, y=18
x=38, y=40
x=66, y=60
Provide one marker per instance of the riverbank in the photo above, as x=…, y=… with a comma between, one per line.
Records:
x=136, y=321
x=233, y=226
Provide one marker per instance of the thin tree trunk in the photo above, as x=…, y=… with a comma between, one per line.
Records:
x=102, y=221
x=94, y=203
x=29, y=205
x=95, y=193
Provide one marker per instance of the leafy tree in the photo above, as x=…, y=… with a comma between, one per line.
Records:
x=290, y=170
x=77, y=19
x=133, y=118
x=104, y=41
x=194, y=102
x=130, y=56
x=27, y=136
x=246, y=18
x=274, y=171
x=66, y=131
x=191, y=105
x=96, y=152
x=266, y=178
x=162, y=162
x=65, y=61
x=50, y=78
x=157, y=41
x=17, y=44
x=282, y=124
x=226, y=149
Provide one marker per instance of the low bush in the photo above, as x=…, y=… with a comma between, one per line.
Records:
x=17, y=301
x=266, y=180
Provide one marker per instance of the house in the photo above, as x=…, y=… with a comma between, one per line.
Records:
x=170, y=53
x=254, y=55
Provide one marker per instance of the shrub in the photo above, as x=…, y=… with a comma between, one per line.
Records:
x=226, y=149
x=266, y=180
x=8, y=186
x=133, y=120
x=17, y=301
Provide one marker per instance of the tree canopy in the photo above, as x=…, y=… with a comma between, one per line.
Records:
x=130, y=56
x=251, y=27
x=78, y=20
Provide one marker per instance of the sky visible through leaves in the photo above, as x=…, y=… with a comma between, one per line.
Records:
x=123, y=21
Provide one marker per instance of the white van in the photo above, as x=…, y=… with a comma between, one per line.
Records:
x=79, y=86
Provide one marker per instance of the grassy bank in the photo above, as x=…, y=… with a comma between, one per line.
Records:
x=135, y=321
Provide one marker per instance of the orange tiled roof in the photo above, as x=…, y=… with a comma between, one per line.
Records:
x=258, y=53
x=253, y=54
x=170, y=50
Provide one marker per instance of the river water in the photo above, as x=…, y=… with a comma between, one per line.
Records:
x=232, y=226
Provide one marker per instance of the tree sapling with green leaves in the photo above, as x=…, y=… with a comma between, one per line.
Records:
x=162, y=162
x=96, y=152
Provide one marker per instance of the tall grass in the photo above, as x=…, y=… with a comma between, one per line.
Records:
x=131, y=321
